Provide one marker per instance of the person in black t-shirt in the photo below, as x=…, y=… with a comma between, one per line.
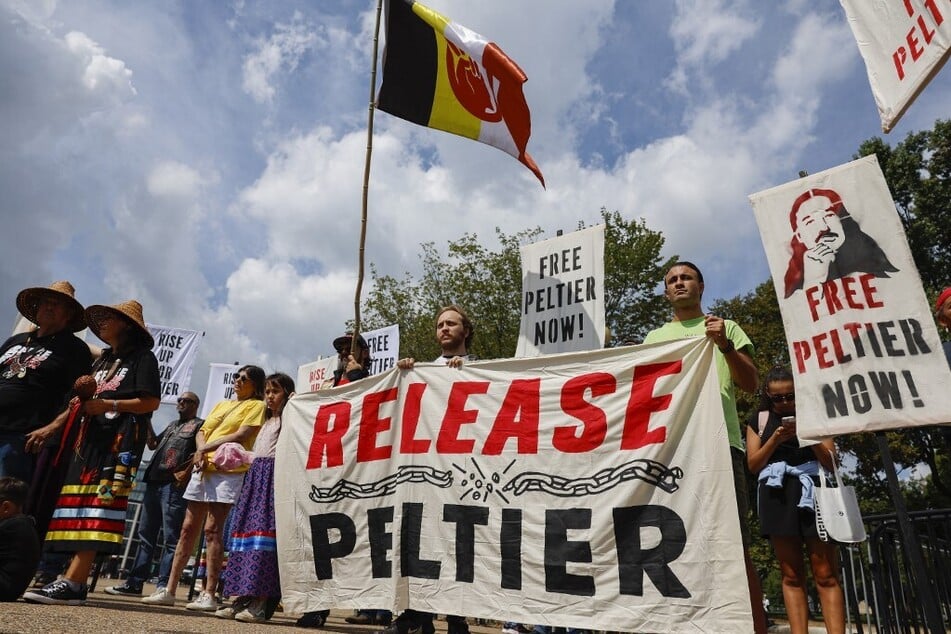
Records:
x=787, y=514
x=37, y=371
x=19, y=545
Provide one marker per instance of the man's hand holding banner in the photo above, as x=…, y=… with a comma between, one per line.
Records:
x=586, y=489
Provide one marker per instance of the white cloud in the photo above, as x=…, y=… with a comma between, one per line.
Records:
x=102, y=73
x=173, y=179
x=282, y=51
x=705, y=33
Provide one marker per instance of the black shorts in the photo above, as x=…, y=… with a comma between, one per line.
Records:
x=779, y=512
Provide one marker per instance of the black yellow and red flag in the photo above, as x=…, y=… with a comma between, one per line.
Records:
x=439, y=74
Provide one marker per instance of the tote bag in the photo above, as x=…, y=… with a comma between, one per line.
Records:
x=837, y=510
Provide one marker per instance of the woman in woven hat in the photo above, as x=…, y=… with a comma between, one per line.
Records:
x=37, y=370
x=90, y=515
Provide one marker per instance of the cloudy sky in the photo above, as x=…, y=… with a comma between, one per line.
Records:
x=207, y=158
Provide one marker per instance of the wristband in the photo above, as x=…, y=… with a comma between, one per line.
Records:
x=115, y=406
x=729, y=347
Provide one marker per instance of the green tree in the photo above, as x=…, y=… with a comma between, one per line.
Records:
x=918, y=172
x=488, y=284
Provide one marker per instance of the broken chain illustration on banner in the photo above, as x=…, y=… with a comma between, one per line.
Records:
x=479, y=486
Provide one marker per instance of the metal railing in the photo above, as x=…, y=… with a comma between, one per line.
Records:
x=880, y=595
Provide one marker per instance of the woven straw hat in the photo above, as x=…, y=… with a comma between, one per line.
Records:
x=28, y=301
x=130, y=311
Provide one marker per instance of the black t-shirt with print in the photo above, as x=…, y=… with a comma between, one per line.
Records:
x=36, y=374
x=136, y=374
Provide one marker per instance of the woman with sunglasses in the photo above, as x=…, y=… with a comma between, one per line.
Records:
x=211, y=492
x=786, y=477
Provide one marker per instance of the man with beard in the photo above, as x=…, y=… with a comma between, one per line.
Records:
x=454, y=332
x=828, y=244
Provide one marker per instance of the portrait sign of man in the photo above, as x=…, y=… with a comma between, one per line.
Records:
x=828, y=243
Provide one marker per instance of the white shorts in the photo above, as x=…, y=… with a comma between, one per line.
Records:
x=213, y=486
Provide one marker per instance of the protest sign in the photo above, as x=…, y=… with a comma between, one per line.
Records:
x=384, y=348
x=175, y=349
x=865, y=352
x=590, y=490
x=220, y=385
x=563, y=294
x=316, y=375
x=904, y=44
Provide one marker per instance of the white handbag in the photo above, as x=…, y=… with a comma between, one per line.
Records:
x=838, y=517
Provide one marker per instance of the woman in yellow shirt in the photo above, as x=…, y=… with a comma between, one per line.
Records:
x=210, y=492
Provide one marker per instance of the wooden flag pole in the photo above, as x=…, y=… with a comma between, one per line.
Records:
x=354, y=341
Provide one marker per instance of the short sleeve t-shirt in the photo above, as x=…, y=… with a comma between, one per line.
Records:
x=226, y=418
x=36, y=373
x=675, y=330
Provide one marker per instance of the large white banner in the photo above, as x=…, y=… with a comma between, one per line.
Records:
x=904, y=44
x=587, y=489
x=865, y=352
x=563, y=294
x=220, y=385
x=175, y=349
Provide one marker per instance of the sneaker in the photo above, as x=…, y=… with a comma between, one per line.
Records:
x=60, y=592
x=229, y=611
x=313, y=619
x=254, y=613
x=401, y=628
x=204, y=603
x=161, y=596
x=125, y=590
x=359, y=619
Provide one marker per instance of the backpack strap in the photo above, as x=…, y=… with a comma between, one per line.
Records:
x=761, y=421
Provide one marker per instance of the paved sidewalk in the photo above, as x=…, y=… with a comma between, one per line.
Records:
x=127, y=615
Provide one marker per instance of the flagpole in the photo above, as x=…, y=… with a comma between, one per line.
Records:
x=366, y=185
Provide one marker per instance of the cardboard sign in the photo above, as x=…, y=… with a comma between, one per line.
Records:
x=220, y=385
x=563, y=294
x=175, y=349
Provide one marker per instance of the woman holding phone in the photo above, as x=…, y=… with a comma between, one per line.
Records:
x=787, y=517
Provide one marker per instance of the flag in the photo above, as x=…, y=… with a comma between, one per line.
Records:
x=439, y=74
x=904, y=45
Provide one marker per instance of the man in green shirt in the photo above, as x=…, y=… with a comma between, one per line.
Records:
x=683, y=287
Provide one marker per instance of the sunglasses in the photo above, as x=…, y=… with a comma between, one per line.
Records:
x=241, y=377
x=187, y=400
x=783, y=398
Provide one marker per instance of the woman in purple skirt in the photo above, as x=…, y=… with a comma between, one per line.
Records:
x=252, y=574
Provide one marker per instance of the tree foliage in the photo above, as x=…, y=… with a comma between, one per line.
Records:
x=488, y=284
x=918, y=172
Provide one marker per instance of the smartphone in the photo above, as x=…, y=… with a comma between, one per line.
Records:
x=788, y=421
